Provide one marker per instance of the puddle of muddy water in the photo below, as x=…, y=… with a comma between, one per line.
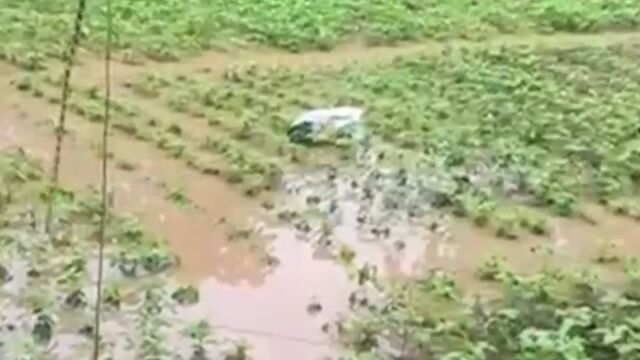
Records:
x=361, y=205
x=268, y=305
x=238, y=290
x=343, y=212
x=275, y=319
x=192, y=233
x=573, y=244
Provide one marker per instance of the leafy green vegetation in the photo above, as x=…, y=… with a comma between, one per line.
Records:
x=508, y=134
x=251, y=170
x=556, y=314
x=507, y=137
x=167, y=29
x=45, y=298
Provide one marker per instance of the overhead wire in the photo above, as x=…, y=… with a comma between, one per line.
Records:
x=104, y=181
x=60, y=130
x=276, y=336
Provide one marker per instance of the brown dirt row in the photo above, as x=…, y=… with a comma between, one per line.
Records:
x=217, y=62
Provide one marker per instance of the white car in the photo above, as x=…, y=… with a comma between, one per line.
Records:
x=309, y=125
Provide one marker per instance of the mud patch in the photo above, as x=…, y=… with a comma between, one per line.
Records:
x=240, y=277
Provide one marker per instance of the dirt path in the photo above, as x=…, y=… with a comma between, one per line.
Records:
x=217, y=62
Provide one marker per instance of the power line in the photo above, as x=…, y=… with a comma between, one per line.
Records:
x=60, y=132
x=105, y=160
x=275, y=336
x=60, y=127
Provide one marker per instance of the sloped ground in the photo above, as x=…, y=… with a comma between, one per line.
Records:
x=469, y=141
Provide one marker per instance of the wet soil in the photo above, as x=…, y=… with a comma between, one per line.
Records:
x=217, y=62
x=573, y=244
x=267, y=304
x=261, y=288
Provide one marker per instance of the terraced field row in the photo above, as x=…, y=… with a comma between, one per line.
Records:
x=166, y=30
x=473, y=131
x=510, y=132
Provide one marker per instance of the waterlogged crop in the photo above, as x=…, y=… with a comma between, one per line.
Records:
x=507, y=135
x=554, y=315
x=46, y=299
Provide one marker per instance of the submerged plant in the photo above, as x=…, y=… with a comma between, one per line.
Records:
x=186, y=295
x=178, y=197
x=200, y=335
x=113, y=293
x=5, y=276
x=152, y=325
x=534, y=319
x=76, y=299
x=22, y=348
x=607, y=252
x=493, y=269
x=240, y=351
x=43, y=327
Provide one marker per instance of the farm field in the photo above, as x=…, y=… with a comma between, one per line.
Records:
x=491, y=210
x=168, y=29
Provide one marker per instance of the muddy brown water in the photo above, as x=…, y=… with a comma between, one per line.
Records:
x=267, y=305
x=573, y=244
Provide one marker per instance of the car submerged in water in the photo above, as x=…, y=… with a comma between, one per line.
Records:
x=324, y=125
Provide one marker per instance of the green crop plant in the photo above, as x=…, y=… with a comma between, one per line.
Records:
x=516, y=123
x=533, y=220
x=534, y=319
x=5, y=276
x=148, y=85
x=186, y=295
x=170, y=143
x=632, y=268
x=477, y=207
x=47, y=289
x=505, y=224
x=152, y=326
x=113, y=293
x=440, y=284
x=607, y=252
x=200, y=335
x=626, y=207
x=125, y=165
x=240, y=351
x=22, y=348
x=493, y=269
x=179, y=198
x=44, y=326
x=37, y=29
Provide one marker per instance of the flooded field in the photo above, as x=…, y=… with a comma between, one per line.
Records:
x=247, y=255
x=485, y=163
x=237, y=278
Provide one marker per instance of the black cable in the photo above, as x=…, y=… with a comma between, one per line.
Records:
x=104, y=187
x=66, y=89
x=270, y=335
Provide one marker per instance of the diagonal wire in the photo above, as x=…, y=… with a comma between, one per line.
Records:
x=276, y=336
x=60, y=126
x=103, y=191
x=60, y=132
